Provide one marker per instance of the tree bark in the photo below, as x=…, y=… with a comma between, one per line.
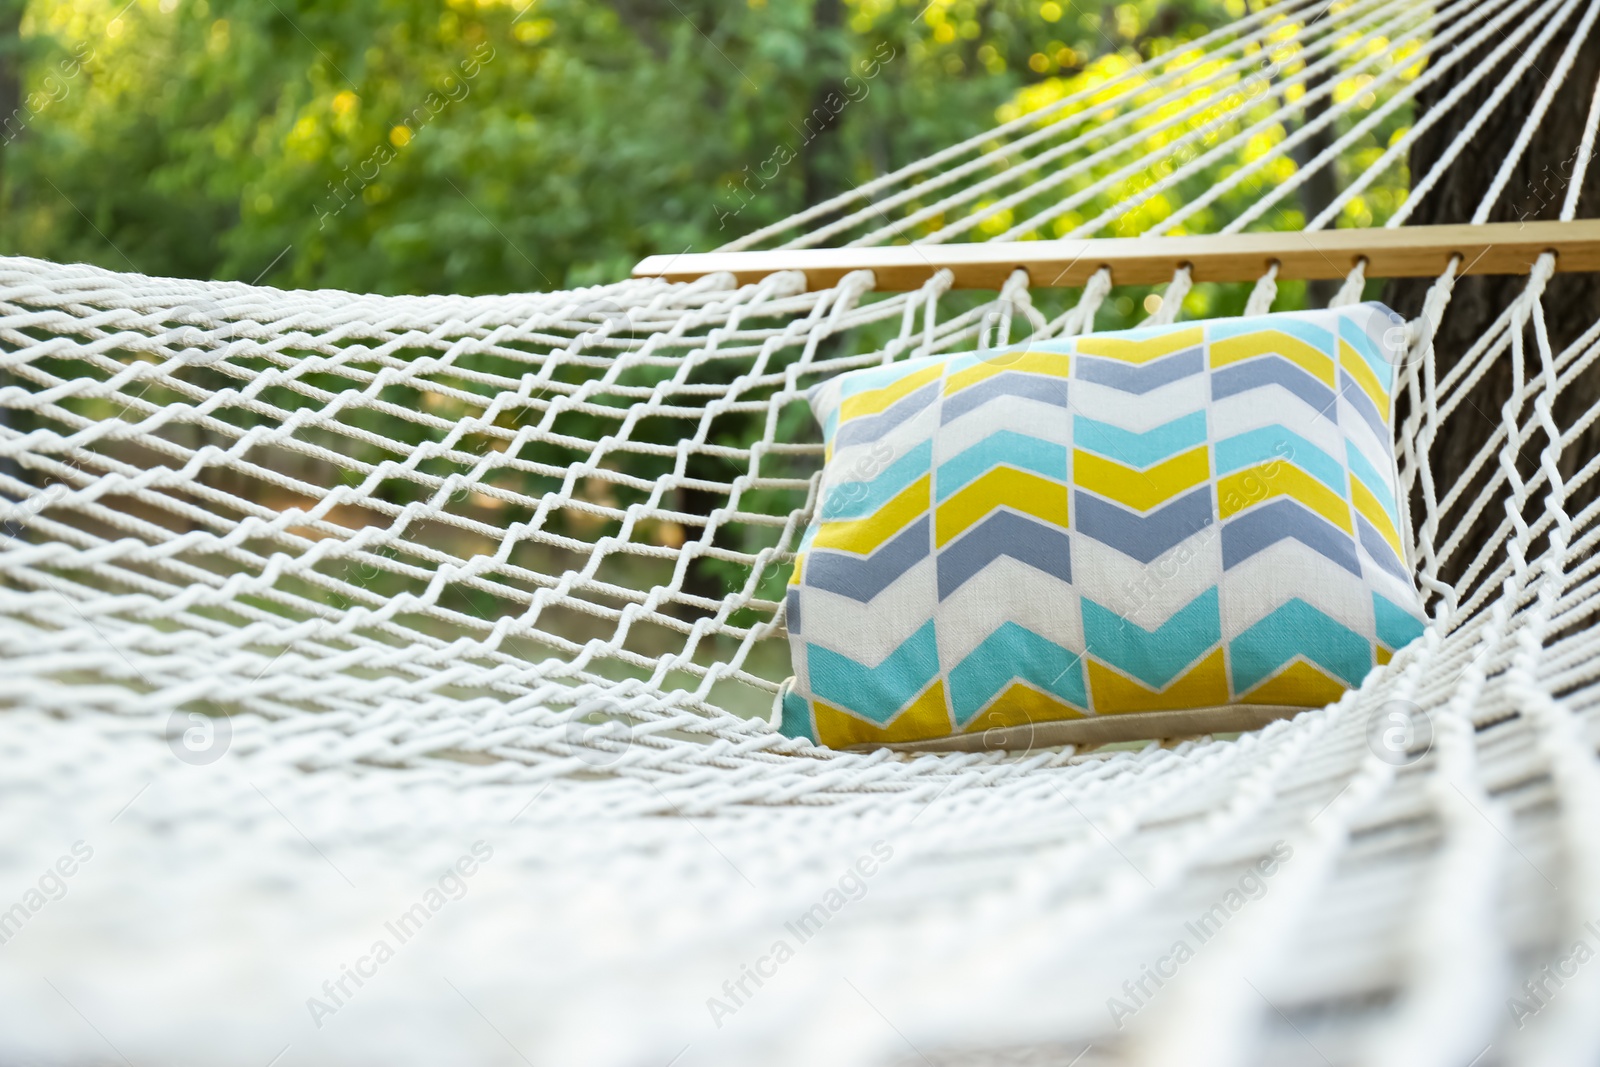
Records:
x=1319, y=190
x=821, y=119
x=1571, y=303
x=11, y=63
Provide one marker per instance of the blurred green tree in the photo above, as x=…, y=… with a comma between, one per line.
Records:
x=483, y=145
x=471, y=146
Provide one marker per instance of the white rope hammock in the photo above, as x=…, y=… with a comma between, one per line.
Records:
x=497, y=641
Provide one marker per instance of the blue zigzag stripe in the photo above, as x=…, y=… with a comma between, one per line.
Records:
x=1264, y=526
x=876, y=693
x=1364, y=406
x=1271, y=370
x=857, y=500
x=1045, y=388
x=1294, y=629
x=795, y=720
x=1280, y=443
x=1000, y=357
x=1131, y=378
x=1040, y=545
x=1396, y=626
x=1368, y=474
x=1015, y=652
x=870, y=378
x=1142, y=333
x=864, y=429
x=863, y=578
x=1133, y=449
x=1362, y=342
x=1144, y=537
x=1003, y=446
x=1155, y=657
x=1379, y=550
x=1310, y=333
x=791, y=617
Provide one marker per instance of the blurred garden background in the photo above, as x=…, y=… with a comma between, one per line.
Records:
x=494, y=146
x=400, y=146
x=484, y=146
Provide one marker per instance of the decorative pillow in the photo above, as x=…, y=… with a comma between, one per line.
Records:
x=1177, y=517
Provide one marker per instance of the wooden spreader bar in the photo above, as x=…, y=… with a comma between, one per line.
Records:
x=1403, y=252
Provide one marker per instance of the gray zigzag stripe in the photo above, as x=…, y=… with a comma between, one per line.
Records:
x=1144, y=537
x=1271, y=370
x=862, y=579
x=865, y=429
x=1140, y=380
x=792, y=616
x=1265, y=526
x=1380, y=551
x=1363, y=405
x=1005, y=533
x=1043, y=388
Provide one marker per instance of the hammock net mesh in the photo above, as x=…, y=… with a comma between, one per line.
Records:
x=277, y=676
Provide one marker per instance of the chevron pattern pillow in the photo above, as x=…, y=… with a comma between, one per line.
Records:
x=1186, y=516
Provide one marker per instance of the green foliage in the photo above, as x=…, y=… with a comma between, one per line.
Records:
x=403, y=146
x=471, y=146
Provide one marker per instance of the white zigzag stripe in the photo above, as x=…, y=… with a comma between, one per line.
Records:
x=1286, y=571
x=868, y=632
x=1148, y=595
x=1009, y=591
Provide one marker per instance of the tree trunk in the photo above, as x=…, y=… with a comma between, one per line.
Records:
x=11, y=62
x=1319, y=190
x=1571, y=303
x=823, y=107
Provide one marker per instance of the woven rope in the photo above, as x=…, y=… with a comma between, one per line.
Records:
x=445, y=570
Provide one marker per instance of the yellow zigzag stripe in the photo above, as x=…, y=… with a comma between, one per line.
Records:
x=1362, y=374
x=1299, y=685
x=1055, y=364
x=1203, y=686
x=862, y=536
x=1141, y=351
x=926, y=716
x=1249, y=345
x=1372, y=511
x=876, y=400
x=1140, y=489
x=1020, y=705
x=1001, y=487
x=1253, y=485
